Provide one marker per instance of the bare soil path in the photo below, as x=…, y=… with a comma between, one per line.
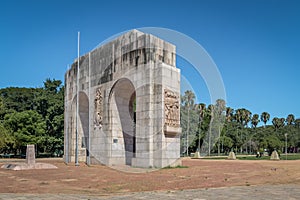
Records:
x=103, y=181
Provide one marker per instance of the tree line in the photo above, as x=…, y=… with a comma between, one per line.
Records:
x=32, y=116
x=218, y=129
x=36, y=116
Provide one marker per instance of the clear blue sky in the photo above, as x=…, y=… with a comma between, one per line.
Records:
x=254, y=43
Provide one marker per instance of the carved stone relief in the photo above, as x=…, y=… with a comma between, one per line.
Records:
x=172, y=111
x=98, y=108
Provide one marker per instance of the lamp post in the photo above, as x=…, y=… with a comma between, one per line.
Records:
x=286, y=145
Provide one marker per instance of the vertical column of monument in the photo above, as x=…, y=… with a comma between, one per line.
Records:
x=69, y=116
x=144, y=111
x=98, y=112
x=158, y=113
x=71, y=112
x=172, y=130
x=66, y=121
x=168, y=141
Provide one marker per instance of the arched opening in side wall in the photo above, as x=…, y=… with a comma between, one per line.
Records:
x=122, y=101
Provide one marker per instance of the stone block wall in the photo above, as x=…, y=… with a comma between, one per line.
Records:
x=122, y=103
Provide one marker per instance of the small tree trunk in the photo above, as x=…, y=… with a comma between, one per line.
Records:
x=219, y=142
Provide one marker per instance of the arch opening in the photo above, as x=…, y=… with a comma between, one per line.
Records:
x=123, y=107
x=83, y=127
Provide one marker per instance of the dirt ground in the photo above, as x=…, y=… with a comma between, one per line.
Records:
x=102, y=180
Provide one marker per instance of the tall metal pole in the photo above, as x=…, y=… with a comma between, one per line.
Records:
x=66, y=150
x=77, y=103
x=89, y=137
x=187, y=133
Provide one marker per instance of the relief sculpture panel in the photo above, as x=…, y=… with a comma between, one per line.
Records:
x=172, y=109
x=98, y=108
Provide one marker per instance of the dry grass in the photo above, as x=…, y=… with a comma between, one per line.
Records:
x=101, y=180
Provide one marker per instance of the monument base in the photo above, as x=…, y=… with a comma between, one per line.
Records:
x=231, y=156
x=24, y=166
x=30, y=162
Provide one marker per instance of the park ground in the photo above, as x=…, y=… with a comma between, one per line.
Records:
x=104, y=181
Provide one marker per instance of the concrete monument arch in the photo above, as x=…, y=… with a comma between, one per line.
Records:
x=129, y=103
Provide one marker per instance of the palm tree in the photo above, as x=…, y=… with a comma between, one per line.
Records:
x=220, y=109
x=297, y=123
x=265, y=117
x=202, y=112
x=246, y=117
x=290, y=119
x=238, y=119
x=243, y=116
x=275, y=122
x=229, y=114
x=228, y=117
x=255, y=120
x=188, y=100
x=211, y=112
x=278, y=122
x=282, y=120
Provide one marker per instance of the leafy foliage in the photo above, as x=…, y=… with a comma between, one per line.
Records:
x=231, y=130
x=32, y=116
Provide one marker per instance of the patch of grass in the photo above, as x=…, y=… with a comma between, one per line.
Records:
x=178, y=166
x=282, y=157
x=246, y=157
x=215, y=158
x=290, y=156
x=253, y=158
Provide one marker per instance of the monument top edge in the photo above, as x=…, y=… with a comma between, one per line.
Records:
x=132, y=34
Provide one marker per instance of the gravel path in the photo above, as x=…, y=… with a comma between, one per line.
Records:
x=274, y=192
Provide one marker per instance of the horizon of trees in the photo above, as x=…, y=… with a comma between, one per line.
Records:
x=32, y=116
x=219, y=129
x=36, y=116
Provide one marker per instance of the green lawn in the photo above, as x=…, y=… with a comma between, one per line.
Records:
x=246, y=157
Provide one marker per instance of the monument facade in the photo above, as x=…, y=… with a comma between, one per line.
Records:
x=128, y=111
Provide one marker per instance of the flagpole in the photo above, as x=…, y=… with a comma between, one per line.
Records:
x=66, y=129
x=77, y=103
x=89, y=138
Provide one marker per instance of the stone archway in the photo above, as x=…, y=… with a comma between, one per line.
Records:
x=122, y=121
x=135, y=67
x=83, y=127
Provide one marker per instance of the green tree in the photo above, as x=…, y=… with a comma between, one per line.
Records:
x=220, y=116
x=290, y=119
x=50, y=104
x=229, y=114
x=243, y=116
x=211, y=114
x=255, y=120
x=2, y=108
x=6, y=141
x=201, y=108
x=47, y=102
x=18, y=99
x=265, y=117
x=188, y=101
x=297, y=123
x=27, y=127
x=278, y=122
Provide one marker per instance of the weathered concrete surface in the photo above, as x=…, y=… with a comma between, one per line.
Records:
x=231, y=156
x=274, y=156
x=129, y=103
